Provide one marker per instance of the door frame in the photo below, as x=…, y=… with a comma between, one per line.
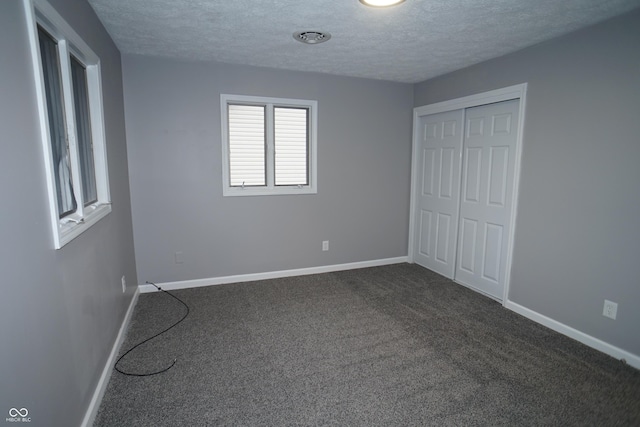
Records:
x=518, y=91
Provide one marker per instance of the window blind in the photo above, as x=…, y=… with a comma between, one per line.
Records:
x=291, y=141
x=247, y=145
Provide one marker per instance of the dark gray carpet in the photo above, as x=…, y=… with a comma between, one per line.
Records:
x=385, y=346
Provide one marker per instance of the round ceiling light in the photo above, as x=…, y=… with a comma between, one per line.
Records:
x=381, y=3
x=311, y=37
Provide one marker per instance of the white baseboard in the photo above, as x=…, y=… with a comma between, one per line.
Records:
x=185, y=284
x=611, y=350
x=92, y=411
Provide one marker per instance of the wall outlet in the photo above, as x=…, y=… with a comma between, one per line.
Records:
x=610, y=309
x=325, y=245
x=124, y=284
x=179, y=257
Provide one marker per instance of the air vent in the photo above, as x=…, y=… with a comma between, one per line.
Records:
x=311, y=37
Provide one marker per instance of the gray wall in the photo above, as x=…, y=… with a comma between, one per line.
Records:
x=173, y=132
x=577, y=237
x=61, y=309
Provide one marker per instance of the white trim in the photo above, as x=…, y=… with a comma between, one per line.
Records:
x=270, y=189
x=508, y=93
x=515, y=192
x=103, y=382
x=71, y=230
x=40, y=12
x=43, y=119
x=415, y=150
x=186, y=284
x=497, y=95
x=611, y=350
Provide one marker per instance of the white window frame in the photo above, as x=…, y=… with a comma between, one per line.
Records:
x=270, y=188
x=41, y=13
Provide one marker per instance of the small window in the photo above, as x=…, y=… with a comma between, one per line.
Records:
x=269, y=146
x=68, y=86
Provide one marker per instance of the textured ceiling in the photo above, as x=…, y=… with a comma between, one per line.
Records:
x=412, y=42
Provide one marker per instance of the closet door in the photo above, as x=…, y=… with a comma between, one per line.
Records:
x=486, y=196
x=437, y=193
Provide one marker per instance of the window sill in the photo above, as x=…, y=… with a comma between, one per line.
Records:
x=73, y=227
x=253, y=191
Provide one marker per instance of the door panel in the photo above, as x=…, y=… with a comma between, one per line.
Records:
x=428, y=168
x=498, y=171
x=438, y=196
x=472, y=177
x=446, y=172
x=425, y=234
x=492, y=252
x=468, y=238
x=443, y=238
x=487, y=173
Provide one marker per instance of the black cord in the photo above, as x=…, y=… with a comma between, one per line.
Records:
x=133, y=374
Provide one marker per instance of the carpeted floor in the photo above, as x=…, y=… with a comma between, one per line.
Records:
x=385, y=346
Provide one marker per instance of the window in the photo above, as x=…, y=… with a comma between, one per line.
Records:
x=268, y=145
x=68, y=87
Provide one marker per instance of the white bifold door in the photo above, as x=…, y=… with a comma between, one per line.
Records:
x=464, y=200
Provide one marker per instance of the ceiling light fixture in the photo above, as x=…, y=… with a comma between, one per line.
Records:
x=311, y=37
x=381, y=3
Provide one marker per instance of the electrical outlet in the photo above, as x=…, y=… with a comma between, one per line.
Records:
x=610, y=309
x=124, y=284
x=179, y=258
x=325, y=245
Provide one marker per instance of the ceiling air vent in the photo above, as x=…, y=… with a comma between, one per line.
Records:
x=311, y=37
